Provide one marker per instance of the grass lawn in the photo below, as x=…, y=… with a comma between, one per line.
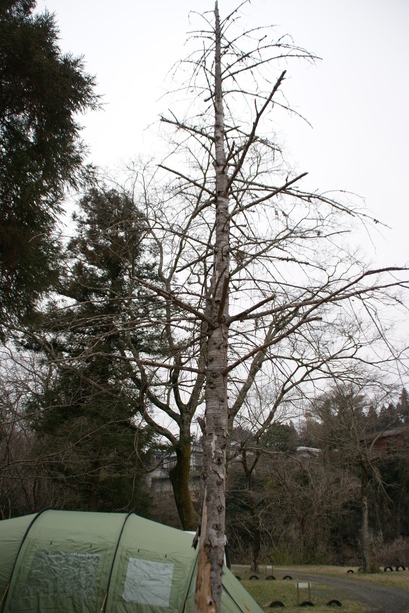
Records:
x=389, y=579
x=266, y=591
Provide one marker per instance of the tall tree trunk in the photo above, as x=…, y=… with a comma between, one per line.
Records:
x=93, y=490
x=252, y=507
x=179, y=476
x=255, y=523
x=366, y=555
x=212, y=537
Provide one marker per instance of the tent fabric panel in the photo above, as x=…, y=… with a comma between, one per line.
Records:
x=12, y=532
x=238, y=595
x=62, y=575
x=156, y=553
x=151, y=536
x=115, y=552
x=148, y=582
x=230, y=606
x=66, y=559
x=63, y=552
x=78, y=526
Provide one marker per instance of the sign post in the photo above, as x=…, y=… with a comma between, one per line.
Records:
x=303, y=585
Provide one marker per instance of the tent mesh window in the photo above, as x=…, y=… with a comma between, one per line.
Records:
x=63, y=574
x=148, y=582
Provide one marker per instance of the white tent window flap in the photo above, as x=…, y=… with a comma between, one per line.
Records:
x=63, y=574
x=148, y=582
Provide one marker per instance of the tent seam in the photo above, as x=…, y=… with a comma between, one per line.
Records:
x=113, y=561
x=4, y=594
x=190, y=582
x=7, y=590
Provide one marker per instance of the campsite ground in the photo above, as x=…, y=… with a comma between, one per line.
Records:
x=357, y=592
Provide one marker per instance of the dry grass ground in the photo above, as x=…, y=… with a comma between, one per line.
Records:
x=266, y=591
x=390, y=579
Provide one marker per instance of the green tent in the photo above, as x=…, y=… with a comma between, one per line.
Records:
x=74, y=561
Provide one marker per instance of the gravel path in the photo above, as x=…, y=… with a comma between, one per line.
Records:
x=379, y=599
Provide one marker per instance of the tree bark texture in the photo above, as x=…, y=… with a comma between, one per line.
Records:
x=366, y=555
x=212, y=535
x=255, y=522
x=179, y=476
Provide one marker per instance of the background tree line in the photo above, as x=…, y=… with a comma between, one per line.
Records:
x=333, y=491
x=293, y=496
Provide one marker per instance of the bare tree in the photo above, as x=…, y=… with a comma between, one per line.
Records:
x=257, y=284
x=24, y=486
x=257, y=279
x=345, y=433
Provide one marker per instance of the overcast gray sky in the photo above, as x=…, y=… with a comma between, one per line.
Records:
x=356, y=97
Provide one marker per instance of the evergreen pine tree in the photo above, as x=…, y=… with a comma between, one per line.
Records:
x=42, y=91
x=88, y=414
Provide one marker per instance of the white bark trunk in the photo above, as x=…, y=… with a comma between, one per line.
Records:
x=212, y=539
